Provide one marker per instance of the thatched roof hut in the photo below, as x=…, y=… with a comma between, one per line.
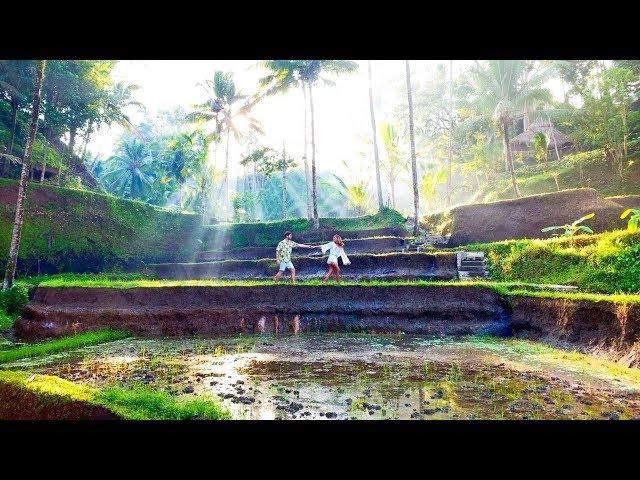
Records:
x=555, y=138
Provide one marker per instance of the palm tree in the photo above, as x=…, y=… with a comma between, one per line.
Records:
x=501, y=90
x=131, y=170
x=375, y=139
x=17, y=226
x=117, y=100
x=284, y=76
x=414, y=168
x=224, y=108
x=394, y=163
x=310, y=74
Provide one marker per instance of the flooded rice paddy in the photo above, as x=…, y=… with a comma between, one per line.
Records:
x=361, y=376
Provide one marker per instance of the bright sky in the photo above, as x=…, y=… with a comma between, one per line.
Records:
x=341, y=112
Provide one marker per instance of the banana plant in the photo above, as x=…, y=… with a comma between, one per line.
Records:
x=570, y=230
x=634, y=219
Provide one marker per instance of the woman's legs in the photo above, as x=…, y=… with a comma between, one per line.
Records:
x=332, y=269
x=329, y=270
x=336, y=269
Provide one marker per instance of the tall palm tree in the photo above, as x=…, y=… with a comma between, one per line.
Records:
x=130, y=170
x=225, y=107
x=501, y=90
x=394, y=164
x=284, y=75
x=310, y=72
x=414, y=168
x=375, y=139
x=17, y=226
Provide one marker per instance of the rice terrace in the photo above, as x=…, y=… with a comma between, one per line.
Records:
x=460, y=243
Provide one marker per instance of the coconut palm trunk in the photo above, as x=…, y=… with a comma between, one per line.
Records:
x=375, y=140
x=314, y=196
x=307, y=192
x=450, y=156
x=414, y=167
x=509, y=158
x=226, y=176
x=17, y=226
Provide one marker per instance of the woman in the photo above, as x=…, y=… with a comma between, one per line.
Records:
x=336, y=249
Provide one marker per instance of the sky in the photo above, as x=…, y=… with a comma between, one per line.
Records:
x=342, y=117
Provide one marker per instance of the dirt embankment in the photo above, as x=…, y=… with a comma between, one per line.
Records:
x=167, y=311
x=601, y=328
x=525, y=217
x=214, y=239
x=627, y=201
x=440, y=266
x=362, y=245
x=17, y=403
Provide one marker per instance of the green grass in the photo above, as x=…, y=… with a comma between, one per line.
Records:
x=60, y=345
x=74, y=230
x=268, y=234
x=132, y=403
x=585, y=169
x=603, y=263
x=506, y=288
x=142, y=403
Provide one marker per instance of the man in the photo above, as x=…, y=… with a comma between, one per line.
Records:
x=283, y=255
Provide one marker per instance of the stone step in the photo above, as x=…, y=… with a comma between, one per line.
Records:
x=472, y=263
x=479, y=268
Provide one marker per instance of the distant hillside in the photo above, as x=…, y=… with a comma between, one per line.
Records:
x=582, y=170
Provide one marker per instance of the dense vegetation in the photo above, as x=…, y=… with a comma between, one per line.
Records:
x=75, y=230
x=607, y=262
x=586, y=169
x=268, y=234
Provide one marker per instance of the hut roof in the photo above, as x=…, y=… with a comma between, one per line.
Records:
x=554, y=136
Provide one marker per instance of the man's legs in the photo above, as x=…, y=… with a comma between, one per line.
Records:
x=278, y=275
x=293, y=274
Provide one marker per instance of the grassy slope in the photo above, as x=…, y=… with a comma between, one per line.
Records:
x=75, y=230
x=136, y=403
x=507, y=288
x=268, y=234
x=587, y=169
x=607, y=263
x=60, y=345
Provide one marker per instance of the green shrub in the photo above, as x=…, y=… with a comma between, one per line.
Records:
x=607, y=262
x=13, y=300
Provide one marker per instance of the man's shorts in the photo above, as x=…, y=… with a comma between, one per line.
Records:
x=284, y=265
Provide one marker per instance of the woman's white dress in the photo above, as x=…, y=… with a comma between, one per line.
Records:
x=335, y=251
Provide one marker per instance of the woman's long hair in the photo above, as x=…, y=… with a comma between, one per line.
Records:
x=337, y=239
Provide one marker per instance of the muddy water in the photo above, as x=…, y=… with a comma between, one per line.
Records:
x=359, y=376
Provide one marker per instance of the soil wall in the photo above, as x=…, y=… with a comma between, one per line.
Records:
x=167, y=311
x=525, y=217
x=440, y=266
x=602, y=328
